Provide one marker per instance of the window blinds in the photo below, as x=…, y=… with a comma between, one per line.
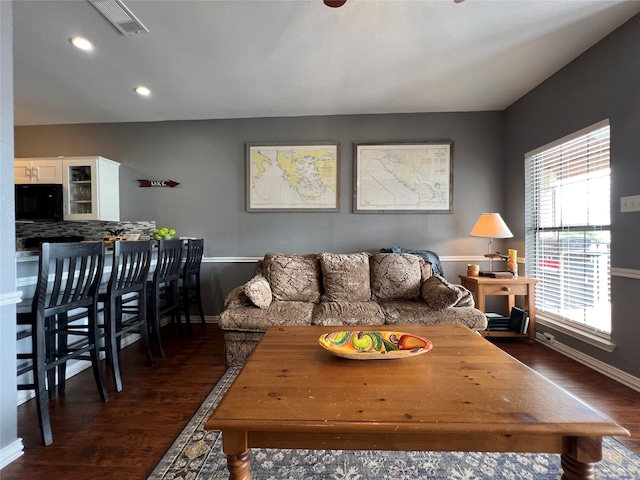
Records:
x=567, y=217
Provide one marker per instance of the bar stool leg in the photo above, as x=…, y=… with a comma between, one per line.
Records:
x=110, y=342
x=61, y=349
x=199, y=299
x=94, y=354
x=175, y=314
x=48, y=356
x=39, y=349
x=144, y=331
x=185, y=305
x=154, y=318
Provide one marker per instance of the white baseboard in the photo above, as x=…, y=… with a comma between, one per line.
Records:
x=11, y=452
x=599, y=366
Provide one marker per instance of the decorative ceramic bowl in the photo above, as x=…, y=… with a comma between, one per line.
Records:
x=362, y=345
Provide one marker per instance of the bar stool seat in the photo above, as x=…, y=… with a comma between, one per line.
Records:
x=69, y=296
x=189, y=284
x=127, y=285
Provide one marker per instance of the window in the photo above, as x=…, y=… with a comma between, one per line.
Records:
x=567, y=228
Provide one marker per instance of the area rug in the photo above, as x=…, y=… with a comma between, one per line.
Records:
x=197, y=455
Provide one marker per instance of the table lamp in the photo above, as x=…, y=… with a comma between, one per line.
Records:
x=490, y=225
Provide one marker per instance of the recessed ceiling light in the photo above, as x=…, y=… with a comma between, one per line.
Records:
x=142, y=90
x=82, y=43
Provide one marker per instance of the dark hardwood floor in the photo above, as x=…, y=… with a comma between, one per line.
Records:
x=125, y=437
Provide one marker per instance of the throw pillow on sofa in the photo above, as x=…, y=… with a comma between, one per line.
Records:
x=396, y=276
x=345, y=277
x=258, y=291
x=439, y=294
x=294, y=278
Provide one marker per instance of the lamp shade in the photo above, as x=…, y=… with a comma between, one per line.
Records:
x=491, y=225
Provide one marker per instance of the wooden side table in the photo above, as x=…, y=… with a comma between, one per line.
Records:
x=509, y=288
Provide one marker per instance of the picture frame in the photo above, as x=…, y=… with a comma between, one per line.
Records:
x=293, y=177
x=403, y=177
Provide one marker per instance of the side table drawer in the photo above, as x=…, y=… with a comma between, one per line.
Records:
x=505, y=289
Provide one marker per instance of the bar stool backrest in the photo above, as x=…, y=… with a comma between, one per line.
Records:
x=77, y=273
x=130, y=268
x=169, y=261
x=195, y=251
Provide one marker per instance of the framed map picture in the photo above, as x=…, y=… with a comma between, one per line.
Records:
x=301, y=177
x=403, y=177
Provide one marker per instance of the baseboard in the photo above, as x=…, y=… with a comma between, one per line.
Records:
x=11, y=452
x=599, y=366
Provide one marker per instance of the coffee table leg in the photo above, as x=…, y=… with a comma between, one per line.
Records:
x=579, y=456
x=238, y=466
x=575, y=470
x=235, y=445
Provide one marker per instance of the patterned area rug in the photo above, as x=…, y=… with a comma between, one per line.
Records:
x=197, y=455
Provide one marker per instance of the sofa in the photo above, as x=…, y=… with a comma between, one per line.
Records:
x=341, y=290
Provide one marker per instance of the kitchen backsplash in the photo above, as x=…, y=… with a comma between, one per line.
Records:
x=90, y=230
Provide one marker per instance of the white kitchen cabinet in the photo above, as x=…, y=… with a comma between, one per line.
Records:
x=36, y=170
x=90, y=185
x=91, y=188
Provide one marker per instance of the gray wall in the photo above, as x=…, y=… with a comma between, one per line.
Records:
x=208, y=159
x=602, y=83
x=8, y=419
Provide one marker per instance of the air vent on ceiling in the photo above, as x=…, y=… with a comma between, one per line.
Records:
x=120, y=16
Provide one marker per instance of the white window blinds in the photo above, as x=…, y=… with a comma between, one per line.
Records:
x=567, y=216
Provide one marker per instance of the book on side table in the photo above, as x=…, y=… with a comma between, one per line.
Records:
x=496, y=274
x=517, y=321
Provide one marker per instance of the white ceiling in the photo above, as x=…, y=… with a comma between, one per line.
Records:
x=236, y=59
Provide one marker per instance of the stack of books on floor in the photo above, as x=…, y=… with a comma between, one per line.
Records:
x=517, y=322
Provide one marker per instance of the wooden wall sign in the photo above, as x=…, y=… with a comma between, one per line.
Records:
x=157, y=183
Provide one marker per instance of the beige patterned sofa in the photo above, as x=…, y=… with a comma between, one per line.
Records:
x=337, y=290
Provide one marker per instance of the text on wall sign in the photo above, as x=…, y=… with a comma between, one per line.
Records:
x=158, y=183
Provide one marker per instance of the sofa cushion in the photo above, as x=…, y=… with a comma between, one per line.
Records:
x=418, y=313
x=293, y=277
x=428, y=256
x=426, y=270
x=345, y=277
x=258, y=291
x=438, y=293
x=396, y=276
x=252, y=319
x=347, y=313
x=407, y=312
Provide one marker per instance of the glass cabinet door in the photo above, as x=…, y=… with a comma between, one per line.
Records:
x=80, y=189
x=91, y=189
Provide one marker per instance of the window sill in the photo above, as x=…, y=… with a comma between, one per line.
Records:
x=577, y=333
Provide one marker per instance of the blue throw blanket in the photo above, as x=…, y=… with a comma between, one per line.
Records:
x=428, y=255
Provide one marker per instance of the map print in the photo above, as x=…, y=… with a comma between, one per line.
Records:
x=293, y=177
x=403, y=177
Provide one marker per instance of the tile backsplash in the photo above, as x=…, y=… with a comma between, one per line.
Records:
x=90, y=230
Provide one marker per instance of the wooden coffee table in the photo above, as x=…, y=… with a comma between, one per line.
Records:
x=464, y=395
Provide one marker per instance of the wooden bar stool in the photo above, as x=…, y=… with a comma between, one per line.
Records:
x=127, y=285
x=190, y=280
x=162, y=288
x=70, y=295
